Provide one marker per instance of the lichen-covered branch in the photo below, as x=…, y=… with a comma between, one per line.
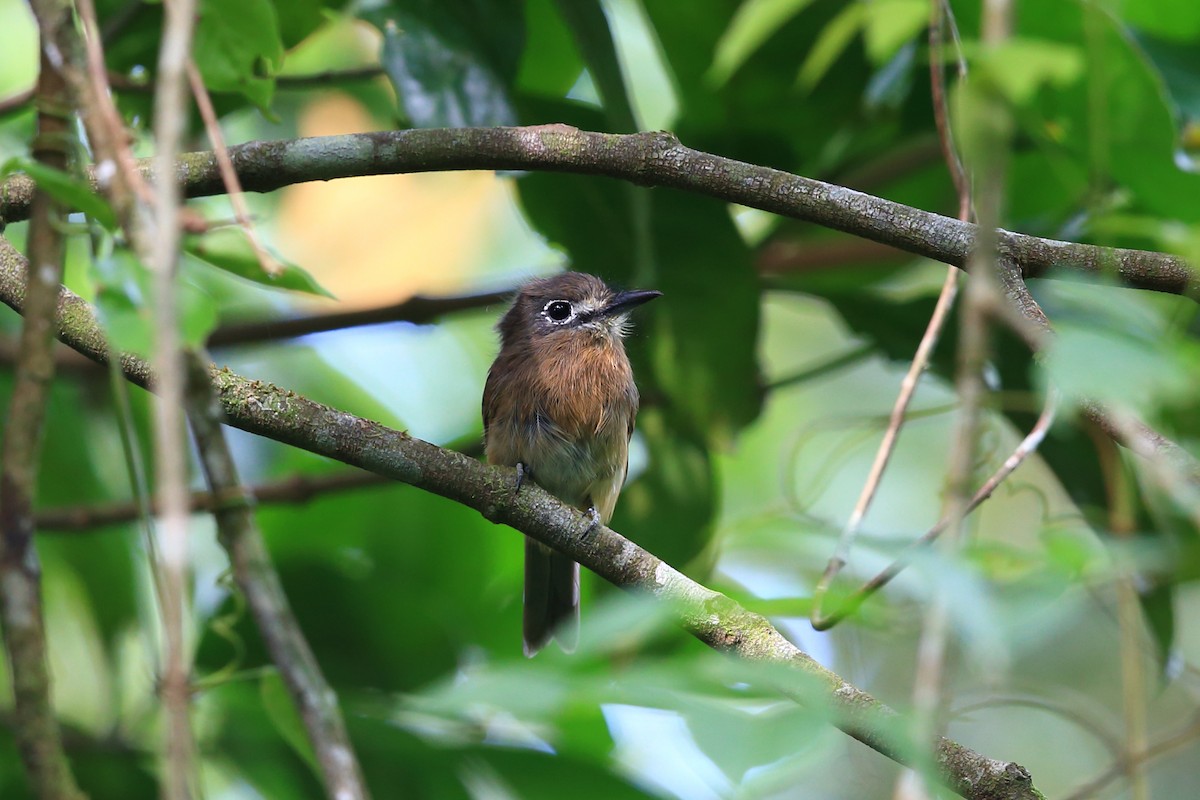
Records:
x=648, y=159
x=713, y=618
x=259, y=583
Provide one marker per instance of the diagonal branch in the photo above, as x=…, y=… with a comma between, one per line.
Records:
x=713, y=618
x=649, y=159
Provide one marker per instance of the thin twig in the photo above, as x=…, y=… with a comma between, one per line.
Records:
x=233, y=188
x=974, y=343
x=259, y=583
x=1122, y=766
x=258, y=407
x=1023, y=451
x=415, y=309
x=908, y=388
x=39, y=740
x=170, y=448
x=1122, y=523
x=329, y=77
x=294, y=490
x=929, y=339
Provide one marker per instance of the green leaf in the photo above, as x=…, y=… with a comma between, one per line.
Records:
x=1171, y=19
x=754, y=22
x=551, y=64
x=228, y=249
x=299, y=18
x=72, y=192
x=703, y=333
x=834, y=39
x=1121, y=353
x=669, y=508
x=1021, y=67
x=590, y=26
x=238, y=48
x=124, y=301
x=452, y=63
x=892, y=23
x=282, y=713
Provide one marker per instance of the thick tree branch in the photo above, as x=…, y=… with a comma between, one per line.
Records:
x=649, y=159
x=713, y=618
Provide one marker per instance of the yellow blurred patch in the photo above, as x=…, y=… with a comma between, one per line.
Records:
x=382, y=239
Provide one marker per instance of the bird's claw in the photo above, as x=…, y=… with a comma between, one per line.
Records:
x=594, y=521
x=522, y=474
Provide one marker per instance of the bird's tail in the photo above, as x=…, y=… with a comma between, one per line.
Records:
x=551, y=599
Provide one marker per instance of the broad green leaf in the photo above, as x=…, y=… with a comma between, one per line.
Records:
x=1171, y=19
x=299, y=18
x=703, y=333
x=238, y=48
x=124, y=301
x=551, y=63
x=282, y=713
x=1120, y=353
x=669, y=508
x=891, y=23
x=1020, y=67
x=754, y=23
x=1178, y=64
x=441, y=86
x=72, y=192
x=229, y=249
x=835, y=37
x=452, y=63
x=590, y=26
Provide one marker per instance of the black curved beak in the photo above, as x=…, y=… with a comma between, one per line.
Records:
x=626, y=301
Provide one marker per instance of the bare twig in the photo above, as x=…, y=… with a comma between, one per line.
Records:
x=37, y=733
x=1026, y=448
x=899, y=413
x=992, y=139
x=1123, y=765
x=170, y=448
x=260, y=408
x=258, y=581
x=415, y=309
x=1122, y=523
x=929, y=339
x=330, y=77
x=233, y=188
x=296, y=489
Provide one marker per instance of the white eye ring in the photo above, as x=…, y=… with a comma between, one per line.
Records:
x=558, y=311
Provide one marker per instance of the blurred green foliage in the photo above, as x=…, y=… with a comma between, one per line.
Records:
x=740, y=476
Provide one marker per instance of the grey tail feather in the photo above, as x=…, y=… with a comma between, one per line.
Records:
x=551, y=599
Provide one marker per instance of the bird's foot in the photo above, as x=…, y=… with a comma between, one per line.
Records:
x=522, y=473
x=593, y=521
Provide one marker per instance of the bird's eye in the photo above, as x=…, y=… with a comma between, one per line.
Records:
x=558, y=310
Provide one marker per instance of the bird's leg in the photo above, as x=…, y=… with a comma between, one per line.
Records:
x=523, y=472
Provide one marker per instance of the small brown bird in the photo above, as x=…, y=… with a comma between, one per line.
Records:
x=559, y=406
